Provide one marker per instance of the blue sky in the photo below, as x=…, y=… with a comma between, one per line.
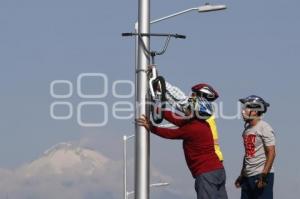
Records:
x=250, y=48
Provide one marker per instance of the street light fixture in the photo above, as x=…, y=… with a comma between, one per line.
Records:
x=204, y=8
x=208, y=8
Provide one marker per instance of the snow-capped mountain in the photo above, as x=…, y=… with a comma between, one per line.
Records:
x=68, y=171
x=65, y=157
x=64, y=171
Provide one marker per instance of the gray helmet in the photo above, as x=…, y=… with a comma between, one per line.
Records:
x=255, y=102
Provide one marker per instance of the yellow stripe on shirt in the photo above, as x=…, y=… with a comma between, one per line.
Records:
x=212, y=123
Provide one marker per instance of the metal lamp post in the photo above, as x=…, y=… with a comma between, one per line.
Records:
x=142, y=150
x=141, y=134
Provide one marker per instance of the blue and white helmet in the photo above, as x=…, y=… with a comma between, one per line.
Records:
x=202, y=108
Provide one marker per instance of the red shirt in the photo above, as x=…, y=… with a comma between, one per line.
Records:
x=198, y=143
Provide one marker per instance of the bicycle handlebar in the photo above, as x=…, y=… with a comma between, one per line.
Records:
x=177, y=36
x=126, y=34
x=180, y=36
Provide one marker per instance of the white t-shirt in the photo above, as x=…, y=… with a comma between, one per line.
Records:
x=255, y=139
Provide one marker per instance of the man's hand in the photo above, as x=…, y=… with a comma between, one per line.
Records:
x=262, y=181
x=238, y=182
x=144, y=121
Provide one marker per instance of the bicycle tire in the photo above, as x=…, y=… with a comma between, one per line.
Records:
x=156, y=117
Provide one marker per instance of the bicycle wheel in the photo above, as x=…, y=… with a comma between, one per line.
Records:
x=159, y=101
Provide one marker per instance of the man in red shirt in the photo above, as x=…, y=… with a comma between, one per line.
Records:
x=198, y=146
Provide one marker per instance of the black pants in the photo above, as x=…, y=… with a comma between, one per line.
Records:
x=250, y=190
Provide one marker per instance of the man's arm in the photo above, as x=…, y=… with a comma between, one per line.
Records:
x=268, y=138
x=243, y=167
x=239, y=180
x=270, y=156
x=175, y=118
x=269, y=146
x=179, y=133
